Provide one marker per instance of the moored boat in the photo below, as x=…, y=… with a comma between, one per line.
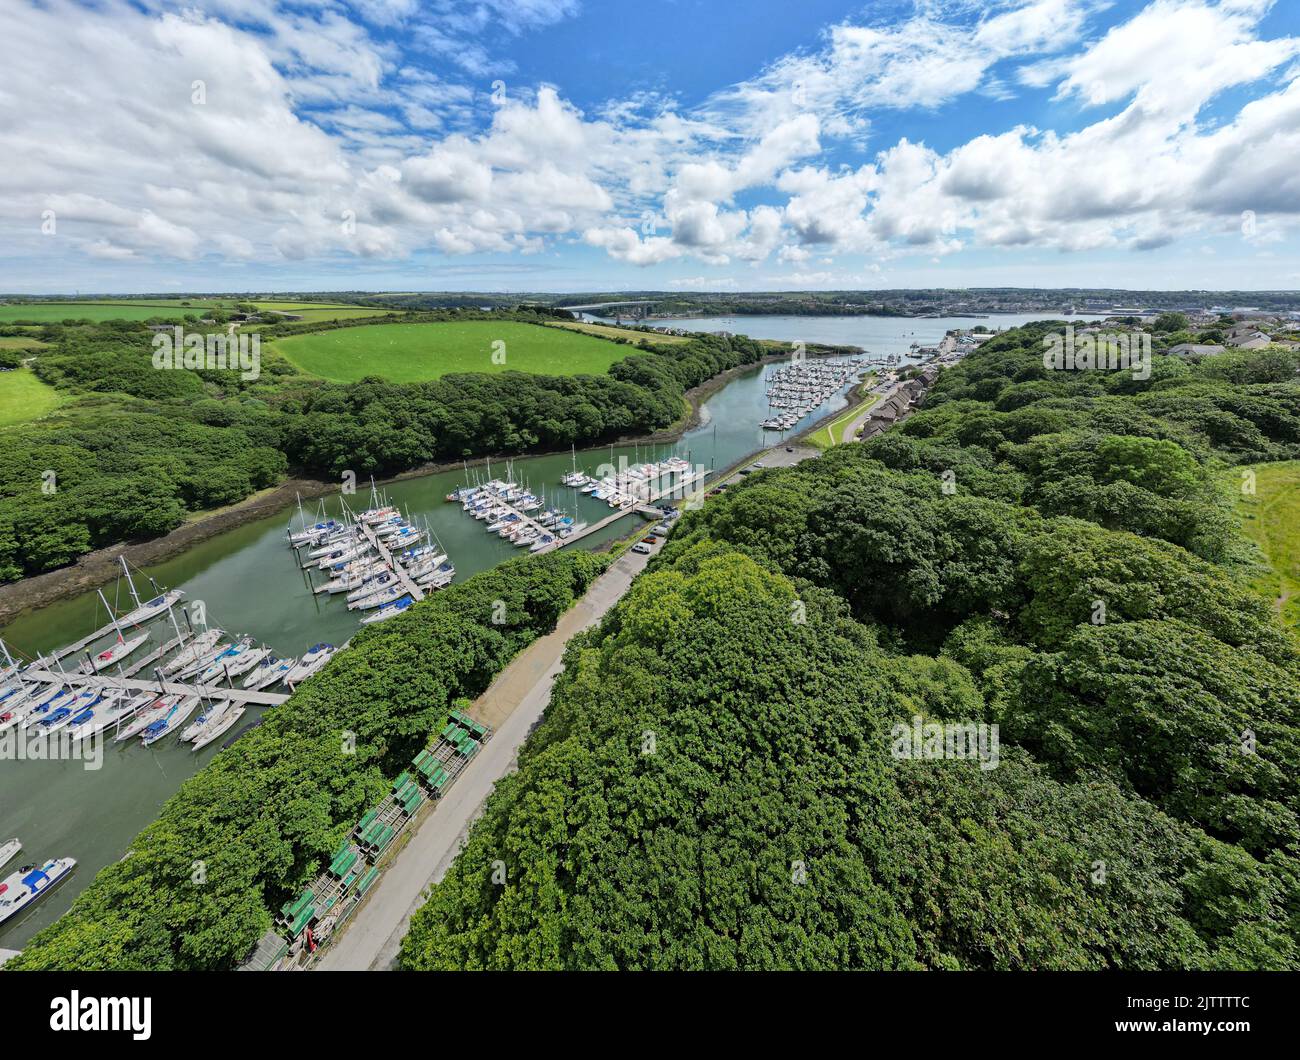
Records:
x=218, y=726
x=30, y=883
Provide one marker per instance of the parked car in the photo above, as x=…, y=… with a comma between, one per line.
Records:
x=649, y=541
x=642, y=549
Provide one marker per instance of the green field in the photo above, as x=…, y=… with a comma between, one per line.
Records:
x=18, y=342
x=146, y=308
x=411, y=353
x=606, y=331
x=1271, y=518
x=833, y=432
x=54, y=312
x=23, y=397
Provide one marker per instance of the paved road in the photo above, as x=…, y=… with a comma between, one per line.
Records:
x=512, y=706
x=880, y=392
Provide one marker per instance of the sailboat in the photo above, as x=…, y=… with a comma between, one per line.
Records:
x=97, y=719
x=388, y=611
x=170, y=721
x=115, y=652
x=150, y=608
x=210, y=714
x=193, y=652
x=147, y=715
x=218, y=726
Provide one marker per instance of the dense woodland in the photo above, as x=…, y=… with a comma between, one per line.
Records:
x=142, y=448
x=713, y=784
x=265, y=814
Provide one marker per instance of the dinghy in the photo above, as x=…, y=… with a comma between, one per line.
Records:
x=8, y=849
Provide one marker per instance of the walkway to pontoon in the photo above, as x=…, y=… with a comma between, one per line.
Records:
x=213, y=691
x=679, y=490
x=403, y=578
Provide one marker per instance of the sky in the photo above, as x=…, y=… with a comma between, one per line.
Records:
x=576, y=145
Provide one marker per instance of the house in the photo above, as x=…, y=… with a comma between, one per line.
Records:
x=1195, y=347
x=1249, y=341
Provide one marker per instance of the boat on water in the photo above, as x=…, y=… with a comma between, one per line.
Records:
x=231, y=657
x=193, y=652
x=8, y=849
x=371, y=586
x=269, y=670
x=218, y=726
x=96, y=719
x=147, y=715
x=150, y=608
x=315, y=657
x=82, y=711
x=245, y=661
x=436, y=579
x=388, y=611
x=311, y=533
x=36, y=711
x=31, y=883
x=169, y=722
x=114, y=653
x=378, y=598
x=212, y=712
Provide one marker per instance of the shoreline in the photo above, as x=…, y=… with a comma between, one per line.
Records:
x=101, y=566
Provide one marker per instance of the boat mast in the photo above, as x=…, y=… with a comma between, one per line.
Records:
x=134, y=595
x=111, y=617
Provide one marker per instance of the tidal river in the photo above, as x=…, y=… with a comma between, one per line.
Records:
x=249, y=584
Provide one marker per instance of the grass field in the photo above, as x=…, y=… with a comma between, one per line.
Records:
x=1271, y=518
x=605, y=331
x=145, y=308
x=54, y=312
x=833, y=432
x=18, y=342
x=411, y=353
x=23, y=397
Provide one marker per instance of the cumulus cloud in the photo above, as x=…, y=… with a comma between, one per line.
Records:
x=254, y=130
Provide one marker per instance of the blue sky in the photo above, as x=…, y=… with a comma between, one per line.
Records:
x=569, y=145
